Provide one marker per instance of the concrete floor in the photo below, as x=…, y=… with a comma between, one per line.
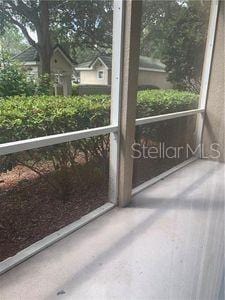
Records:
x=169, y=244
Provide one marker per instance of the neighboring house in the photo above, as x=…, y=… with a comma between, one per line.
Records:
x=62, y=67
x=98, y=72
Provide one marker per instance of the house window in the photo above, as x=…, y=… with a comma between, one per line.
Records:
x=100, y=74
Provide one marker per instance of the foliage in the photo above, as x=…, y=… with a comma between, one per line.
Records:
x=28, y=117
x=157, y=102
x=12, y=41
x=94, y=89
x=30, y=16
x=75, y=88
x=44, y=85
x=13, y=81
x=83, y=27
x=175, y=32
x=83, y=53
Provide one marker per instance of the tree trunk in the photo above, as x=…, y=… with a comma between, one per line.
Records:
x=44, y=39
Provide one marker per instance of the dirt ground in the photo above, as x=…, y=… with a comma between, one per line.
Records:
x=31, y=209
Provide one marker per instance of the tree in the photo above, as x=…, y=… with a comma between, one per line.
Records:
x=33, y=15
x=77, y=23
x=85, y=27
x=175, y=32
x=12, y=41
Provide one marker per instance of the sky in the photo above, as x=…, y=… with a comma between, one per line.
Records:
x=32, y=34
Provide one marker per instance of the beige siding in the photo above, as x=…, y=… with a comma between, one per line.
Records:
x=59, y=64
x=90, y=77
x=158, y=79
x=32, y=71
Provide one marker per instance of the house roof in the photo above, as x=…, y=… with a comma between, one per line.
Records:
x=86, y=64
x=151, y=63
x=107, y=60
x=31, y=55
x=145, y=62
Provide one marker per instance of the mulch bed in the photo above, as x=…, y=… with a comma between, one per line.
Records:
x=30, y=209
x=146, y=169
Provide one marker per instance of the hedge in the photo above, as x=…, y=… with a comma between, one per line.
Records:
x=156, y=102
x=29, y=117
x=90, y=89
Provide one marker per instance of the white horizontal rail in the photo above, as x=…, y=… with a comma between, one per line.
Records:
x=165, y=117
x=40, y=142
x=18, y=146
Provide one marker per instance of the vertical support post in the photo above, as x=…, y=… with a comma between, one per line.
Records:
x=206, y=72
x=132, y=30
x=116, y=84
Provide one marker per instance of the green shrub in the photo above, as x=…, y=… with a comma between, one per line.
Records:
x=13, y=81
x=28, y=117
x=94, y=89
x=75, y=88
x=44, y=86
x=157, y=102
